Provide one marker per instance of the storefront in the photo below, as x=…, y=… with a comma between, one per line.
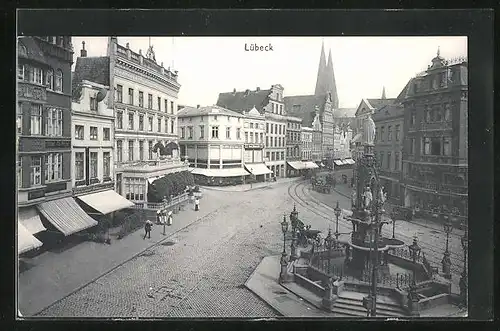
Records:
x=259, y=171
x=102, y=205
x=220, y=177
x=295, y=168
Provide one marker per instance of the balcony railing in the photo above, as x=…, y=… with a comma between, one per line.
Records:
x=162, y=205
x=108, y=185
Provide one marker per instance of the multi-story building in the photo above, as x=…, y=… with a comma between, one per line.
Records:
x=44, y=141
x=435, y=159
x=293, y=146
x=144, y=99
x=212, y=138
x=389, y=138
x=254, y=127
x=92, y=170
x=307, y=143
x=317, y=140
x=270, y=103
x=342, y=146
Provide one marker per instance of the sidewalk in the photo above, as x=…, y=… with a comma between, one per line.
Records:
x=251, y=187
x=56, y=275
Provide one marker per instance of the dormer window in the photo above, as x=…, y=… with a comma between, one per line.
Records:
x=93, y=104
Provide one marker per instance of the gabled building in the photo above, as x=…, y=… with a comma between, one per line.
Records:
x=317, y=141
x=293, y=146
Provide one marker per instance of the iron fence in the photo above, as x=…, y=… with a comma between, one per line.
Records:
x=405, y=254
x=400, y=281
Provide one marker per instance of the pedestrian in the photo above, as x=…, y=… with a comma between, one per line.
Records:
x=197, y=204
x=147, y=229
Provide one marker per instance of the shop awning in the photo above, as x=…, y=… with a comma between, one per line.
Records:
x=349, y=161
x=25, y=240
x=297, y=165
x=106, y=202
x=66, y=215
x=30, y=219
x=338, y=162
x=230, y=172
x=201, y=171
x=310, y=165
x=258, y=169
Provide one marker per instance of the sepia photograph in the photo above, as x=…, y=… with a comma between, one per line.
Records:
x=243, y=177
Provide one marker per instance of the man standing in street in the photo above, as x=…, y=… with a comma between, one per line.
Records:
x=197, y=204
x=147, y=229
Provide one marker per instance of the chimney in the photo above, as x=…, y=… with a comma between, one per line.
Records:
x=83, y=52
x=197, y=106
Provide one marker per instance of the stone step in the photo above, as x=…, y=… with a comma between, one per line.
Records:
x=380, y=305
x=361, y=311
x=342, y=312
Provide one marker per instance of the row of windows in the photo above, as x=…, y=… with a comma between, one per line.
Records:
x=278, y=128
x=380, y=135
x=93, y=165
x=53, y=169
x=386, y=163
x=275, y=156
x=131, y=149
x=277, y=109
x=437, y=114
x=80, y=133
x=131, y=94
x=53, y=82
x=440, y=146
x=188, y=132
x=306, y=155
x=278, y=141
x=53, y=120
x=294, y=126
x=293, y=136
x=292, y=152
x=131, y=123
x=134, y=189
x=214, y=118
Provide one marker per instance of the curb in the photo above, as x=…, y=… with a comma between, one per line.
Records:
x=122, y=263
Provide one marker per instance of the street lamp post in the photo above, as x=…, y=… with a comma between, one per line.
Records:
x=283, y=260
x=294, y=216
x=337, y=215
x=412, y=294
x=393, y=216
x=463, y=279
x=446, y=261
x=329, y=244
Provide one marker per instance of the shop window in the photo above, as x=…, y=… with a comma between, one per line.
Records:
x=79, y=166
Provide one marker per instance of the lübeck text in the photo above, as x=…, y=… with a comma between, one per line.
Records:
x=258, y=48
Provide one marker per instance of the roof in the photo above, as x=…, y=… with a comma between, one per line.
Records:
x=404, y=92
x=215, y=110
x=307, y=103
x=344, y=112
x=33, y=51
x=386, y=111
x=244, y=100
x=377, y=103
x=94, y=69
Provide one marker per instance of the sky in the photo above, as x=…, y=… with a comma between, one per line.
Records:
x=208, y=66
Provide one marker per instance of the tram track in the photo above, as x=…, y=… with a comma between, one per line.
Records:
x=433, y=252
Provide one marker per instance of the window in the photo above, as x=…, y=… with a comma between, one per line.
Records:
x=93, y=165
x=93, y=104
x=382, y=133
x=246, y=137
x=20, y=71
x=131, y=150
x=435, y=146
x=267, y=155
x=279, y=129
x=119, y=120
x=150, y=101
x=130, y=121
x=134, y=189
x=19, y=118
x=159, y=124
x=79, y=132
x=412, y=146
x=389, y=133
x=389, y=160
x=397, y=132
x=93, y=133
x=238, y=133
x=281, y=109
x=119, y=93
x=282, y=155
x=413, y=118
x=37, y=76
x=251, y=137
x=275, y=142
x=427, y=146
x=261, y=137
x=36, y=171
x=106, y=136
x=447, y=112
x=437, y=114
x=53, y=122
x=215, y=118
x=150, y=149
x=141, y=99
x=150, y=123
x=381, y=165
x=396, y=161
x=130, y=96
x=267, y=127
x=447, y=146
x=183, y=132
x=166, y=106
x=141, y=122
x=36, y=119
x=159, y=103
x=59, y=81
x=166, y=124
x=202, y=131
x=228, y=133
x=215, y=132
x=273, y=156
x=53, y=167
x=172, y=126
x=79, y=166
x=272, y=126
x=251, y=125
x=267, y=141
x=49, y=79
x=190, y=132
x=106, y=164
x=119, y=151
x=171, y=107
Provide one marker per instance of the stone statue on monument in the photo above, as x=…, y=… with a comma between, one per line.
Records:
x=369, y=131
x=367, y=198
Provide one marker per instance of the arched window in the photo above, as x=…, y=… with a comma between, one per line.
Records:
x=50, y=79
x=59, y=81
x=22, y=49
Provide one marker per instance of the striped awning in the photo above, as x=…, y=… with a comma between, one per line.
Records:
x=66, y=215
x=25, y=240
x=338, y=162
x=106, y=202
x=297, y=165
x=229, y=172
x=30, y=219
x=258, y=169
x=310, y=165
x=349, y=161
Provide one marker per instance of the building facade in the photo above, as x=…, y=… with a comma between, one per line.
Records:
x=435, y=158
x=342, y=137
x=307, y=144
x=293, y=146
x=254, y=127
x=317, y=140
x=389, y=138
x=93, y=140
x=212, y=139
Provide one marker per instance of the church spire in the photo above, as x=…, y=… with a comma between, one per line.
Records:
x=330, y=81
x=320, y=80
x=383, y=93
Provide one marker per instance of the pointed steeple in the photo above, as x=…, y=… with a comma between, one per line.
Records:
x=383, y=93
x=320, y=80
x=330, y=81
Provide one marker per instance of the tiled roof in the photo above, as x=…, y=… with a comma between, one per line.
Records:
x=33, y=51
x=377, y=103
x=244, y=100
x=344, y=112
x=388, y=111
x=94, y=69
x=307, y=104
x=214, y=110
x=404, y=92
